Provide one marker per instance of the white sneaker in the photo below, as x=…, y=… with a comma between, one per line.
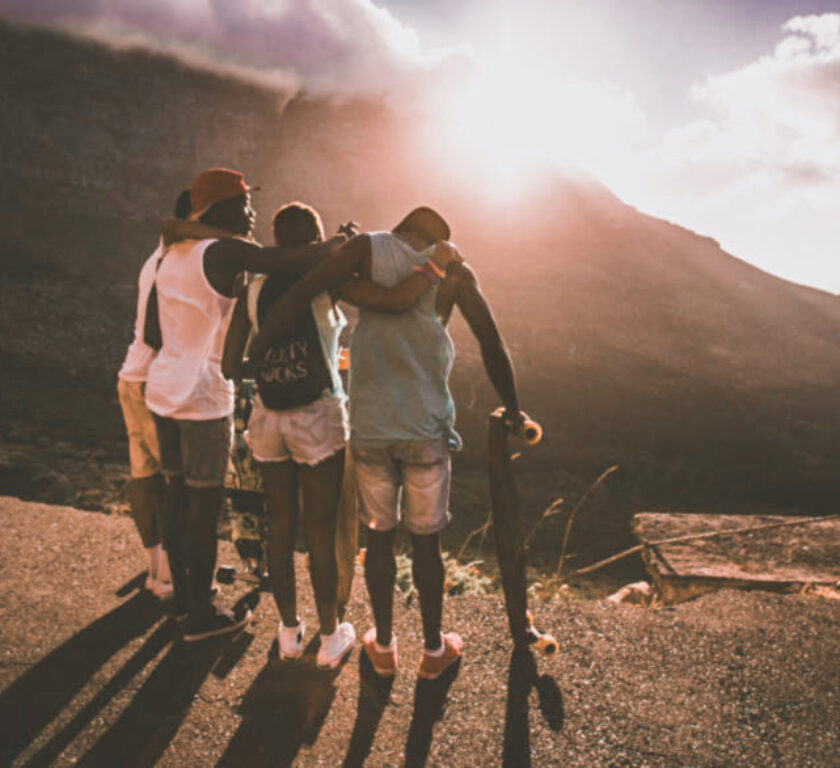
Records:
x=336, y=646
x=290, y=640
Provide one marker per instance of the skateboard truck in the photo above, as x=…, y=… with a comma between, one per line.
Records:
x=227, y=574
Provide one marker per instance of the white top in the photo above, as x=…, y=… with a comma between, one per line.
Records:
x=185, y=380
x=139, y=357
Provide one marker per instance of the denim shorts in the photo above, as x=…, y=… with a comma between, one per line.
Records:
x=415, y=472
x=197, y=450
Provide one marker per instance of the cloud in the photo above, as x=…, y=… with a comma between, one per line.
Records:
x=334, y=46
x=760, y=170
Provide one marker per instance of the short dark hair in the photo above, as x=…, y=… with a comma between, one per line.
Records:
x=297, y=224
x=183, y=206
x=427, y=223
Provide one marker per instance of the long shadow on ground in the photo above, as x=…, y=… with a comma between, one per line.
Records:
x=146, y=727
x=374, y=694
x=522, y=677
x=156, y=642
x=429, y=706
x=283, y=709
x=32, y=701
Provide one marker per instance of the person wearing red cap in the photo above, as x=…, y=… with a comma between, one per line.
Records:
x=191, y=400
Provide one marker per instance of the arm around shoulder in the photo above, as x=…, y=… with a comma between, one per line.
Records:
x=328, y=274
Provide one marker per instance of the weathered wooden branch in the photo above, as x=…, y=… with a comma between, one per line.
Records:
x=691, y=537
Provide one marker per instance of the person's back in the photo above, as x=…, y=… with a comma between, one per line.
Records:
x=185, y=380
x=297, y=433
x=147, y=484
x=400, y=364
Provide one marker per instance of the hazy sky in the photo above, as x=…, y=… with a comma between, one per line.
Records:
x=720, y=115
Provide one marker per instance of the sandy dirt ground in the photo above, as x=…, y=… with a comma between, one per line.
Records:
x=92, y=674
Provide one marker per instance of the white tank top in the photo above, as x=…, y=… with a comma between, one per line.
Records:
x=139, y=357
x=185, y=380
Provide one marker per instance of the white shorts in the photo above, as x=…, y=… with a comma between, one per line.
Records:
x=306, y=435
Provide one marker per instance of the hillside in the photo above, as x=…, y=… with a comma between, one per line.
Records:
x=710, y=383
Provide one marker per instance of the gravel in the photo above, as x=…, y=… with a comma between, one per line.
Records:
x=92, y=677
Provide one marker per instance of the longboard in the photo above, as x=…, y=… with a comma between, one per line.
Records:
x=508, y=533
x=243, y=487
x=347, y=534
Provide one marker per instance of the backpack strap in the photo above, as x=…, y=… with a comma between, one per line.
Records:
x=254, y=288
x=152, y=334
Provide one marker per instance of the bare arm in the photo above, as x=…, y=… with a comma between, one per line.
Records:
x=238, y=255
x=231, y=255
x=363, y=292
x=494, y=353
x=352, y=258
x=173, y=229
x=328, y=274
x=233, y=364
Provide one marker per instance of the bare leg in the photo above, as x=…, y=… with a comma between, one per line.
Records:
x=380, y=575
x=203, y=507
x=174, y=524
x=146, y=501
x=321, y=495
x=428, y=575
x=281, y=495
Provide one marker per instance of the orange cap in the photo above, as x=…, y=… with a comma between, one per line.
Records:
x=214, y=185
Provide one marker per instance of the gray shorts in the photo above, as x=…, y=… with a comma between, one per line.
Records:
x=198, y=450
x=419, y=468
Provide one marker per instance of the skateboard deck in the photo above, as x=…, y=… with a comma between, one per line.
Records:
x=243, y=487
x=508, y=533
x=347, y=534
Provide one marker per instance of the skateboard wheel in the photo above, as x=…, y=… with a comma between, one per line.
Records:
x=225, y=574
x=531, y=432
x=546, y=645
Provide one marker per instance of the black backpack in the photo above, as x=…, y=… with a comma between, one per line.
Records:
x=294, y=371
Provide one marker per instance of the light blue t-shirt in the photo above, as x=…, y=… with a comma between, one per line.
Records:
x=400, y=363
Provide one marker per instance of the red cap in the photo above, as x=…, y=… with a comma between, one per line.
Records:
x=214, y=185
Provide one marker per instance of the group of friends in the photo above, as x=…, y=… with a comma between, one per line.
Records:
x=214, y=307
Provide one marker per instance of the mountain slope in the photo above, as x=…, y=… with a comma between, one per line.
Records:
x=712, y=384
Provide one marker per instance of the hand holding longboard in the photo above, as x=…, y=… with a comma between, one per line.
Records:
x=523, y=427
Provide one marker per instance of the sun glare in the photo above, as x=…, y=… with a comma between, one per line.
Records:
x=514, y=120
